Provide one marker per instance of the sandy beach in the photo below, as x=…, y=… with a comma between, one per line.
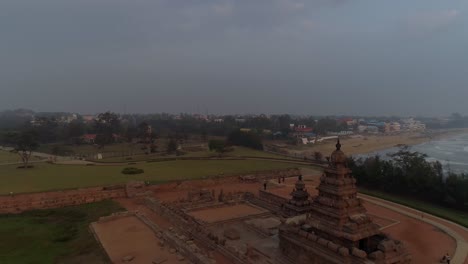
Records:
x=370, y=143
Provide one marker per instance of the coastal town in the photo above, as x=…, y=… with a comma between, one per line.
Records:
x=246, y=189
x=233, y=132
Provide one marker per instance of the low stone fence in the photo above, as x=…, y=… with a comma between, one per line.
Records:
x=272, y=174
x=115, y=216
x=180, y=243
x=272, y=198
x=17, y=203
x=226, y=179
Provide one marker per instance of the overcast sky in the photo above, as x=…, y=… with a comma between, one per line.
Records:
x=364, y=57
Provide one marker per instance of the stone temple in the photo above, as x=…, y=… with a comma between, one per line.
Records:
x=299, y=203
x=337, y=228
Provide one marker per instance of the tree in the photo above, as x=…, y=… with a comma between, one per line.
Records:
x=172, y=146
x=326, y=125
x=46, y=129
x=246, y=139
x=107, y=125
x=24, y=143
x=75, y=129
x=318, y=156
x=147, y=136
x=409, y=174
x=203, y=134
x=217, y=145
x=144, y=130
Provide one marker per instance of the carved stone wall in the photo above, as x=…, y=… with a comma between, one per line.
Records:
x=272, y=198
x=18, y=203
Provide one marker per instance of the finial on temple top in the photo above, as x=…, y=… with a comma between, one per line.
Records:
x=338, y=145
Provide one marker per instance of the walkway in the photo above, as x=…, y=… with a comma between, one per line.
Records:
x=461, y=252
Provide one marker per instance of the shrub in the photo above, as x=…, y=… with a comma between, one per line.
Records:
x=246, y=139
x=132, y=170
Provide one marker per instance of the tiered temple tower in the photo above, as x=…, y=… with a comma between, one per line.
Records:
x=337, y=228
x=299, y=203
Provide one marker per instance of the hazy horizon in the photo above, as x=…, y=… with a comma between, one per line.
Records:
x=323, y=57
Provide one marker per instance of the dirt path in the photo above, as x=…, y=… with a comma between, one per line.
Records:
x=457, y=232
x=85, y=162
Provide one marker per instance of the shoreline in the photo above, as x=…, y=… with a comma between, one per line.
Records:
x=373, y=143
x=425, y=137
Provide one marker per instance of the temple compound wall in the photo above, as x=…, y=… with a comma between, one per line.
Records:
x=272, y=198
x=17, y=203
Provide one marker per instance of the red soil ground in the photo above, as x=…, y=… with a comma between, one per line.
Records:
x=135, y=204
x=116, y=234
x=426, y=243
x=212, y=215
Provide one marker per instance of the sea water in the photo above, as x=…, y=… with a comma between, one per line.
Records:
x=452, y=152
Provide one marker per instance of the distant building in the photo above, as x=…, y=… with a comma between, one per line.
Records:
x=392, y=127
x=88, y=118
x=88, y=138
x=341, y=133
x=410, y=124
x=362, y=128
x=348, y=121
x=301, y=131
x=372, y=129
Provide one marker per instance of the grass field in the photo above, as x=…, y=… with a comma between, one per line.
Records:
x=9, y=157
x=46, y=176
x=237, y=152
x=87, y=149
x=458, y=217
x=53, y=236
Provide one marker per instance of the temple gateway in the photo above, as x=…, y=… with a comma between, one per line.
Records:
x=337, y=228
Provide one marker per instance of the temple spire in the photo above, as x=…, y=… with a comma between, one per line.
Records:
x=338, y=145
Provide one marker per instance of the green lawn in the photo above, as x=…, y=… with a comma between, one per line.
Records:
x=242, y=151
x=237, y=152
x=53, y=236
x=46, y=176
x=9, y=157
x=459, y=217
x=86, y=149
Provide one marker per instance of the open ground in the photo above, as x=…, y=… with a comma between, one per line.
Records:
x=427, y=242
x=46, y=177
